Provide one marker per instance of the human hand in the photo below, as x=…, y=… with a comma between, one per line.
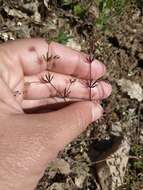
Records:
x=28, y=142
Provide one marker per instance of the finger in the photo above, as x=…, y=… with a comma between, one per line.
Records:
x=28, y=104
x=61, y=127
x=29, y=54
x=45, y=106
x=49, y=102
x=74, y=63
x=50, y=84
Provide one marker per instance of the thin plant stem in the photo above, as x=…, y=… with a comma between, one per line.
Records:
x=90, y=89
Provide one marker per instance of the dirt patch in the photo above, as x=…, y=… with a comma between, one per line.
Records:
x=119, y=44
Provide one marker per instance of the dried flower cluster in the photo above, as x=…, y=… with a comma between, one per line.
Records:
x=62, y=94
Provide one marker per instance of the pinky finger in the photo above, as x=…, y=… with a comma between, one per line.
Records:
x=47, y=103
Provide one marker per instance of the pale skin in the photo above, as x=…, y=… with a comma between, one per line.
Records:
x=29, y=142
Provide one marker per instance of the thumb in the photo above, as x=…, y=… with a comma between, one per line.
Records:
x=36, y=140
x=66, y=124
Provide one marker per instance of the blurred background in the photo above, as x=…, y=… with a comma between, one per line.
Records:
x=109, y=155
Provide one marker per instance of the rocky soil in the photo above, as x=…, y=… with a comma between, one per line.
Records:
x=109, y=155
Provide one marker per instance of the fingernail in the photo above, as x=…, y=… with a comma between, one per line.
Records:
x=99, y=66
x=107, y=90
x=97, y=111
x=102, y=67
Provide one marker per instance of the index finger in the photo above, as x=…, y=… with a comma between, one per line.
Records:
x=30, y=53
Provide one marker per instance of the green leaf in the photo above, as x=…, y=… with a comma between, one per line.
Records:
x=138, y=165
x=63, y=37
x=67, y=2
x=109, y=4
x=79, y=10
